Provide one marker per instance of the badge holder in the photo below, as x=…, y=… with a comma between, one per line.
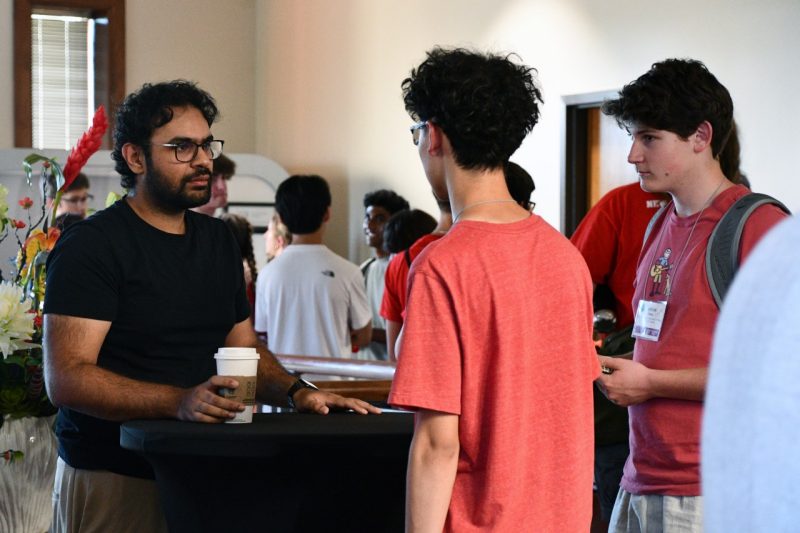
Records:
x=649, y=319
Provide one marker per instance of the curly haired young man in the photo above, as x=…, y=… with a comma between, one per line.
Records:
x=495, y=355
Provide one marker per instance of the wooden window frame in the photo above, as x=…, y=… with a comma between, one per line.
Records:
x=114, y=10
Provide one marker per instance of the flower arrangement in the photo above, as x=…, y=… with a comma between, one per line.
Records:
x=22, y=391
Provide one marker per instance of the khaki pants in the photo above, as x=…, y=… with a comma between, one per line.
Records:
x=88, y=501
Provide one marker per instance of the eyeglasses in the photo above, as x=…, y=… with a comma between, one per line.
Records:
x=416, y=129
x=78, y=199
x=186, y=150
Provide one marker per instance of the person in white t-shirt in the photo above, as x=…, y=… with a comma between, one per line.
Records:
x=310, y=301
x=379, y=206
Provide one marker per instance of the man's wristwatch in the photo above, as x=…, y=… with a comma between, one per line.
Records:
x=299, y=384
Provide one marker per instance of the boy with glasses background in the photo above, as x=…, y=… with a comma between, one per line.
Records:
x=74, y=199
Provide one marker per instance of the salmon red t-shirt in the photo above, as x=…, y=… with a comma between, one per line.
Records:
x=393, y=305
x=498, y=331
x=610, y=238
x=665, y=433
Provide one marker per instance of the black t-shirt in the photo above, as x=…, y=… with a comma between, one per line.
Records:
x=171, y=300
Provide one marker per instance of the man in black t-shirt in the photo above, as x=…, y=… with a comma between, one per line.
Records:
x=139, y=297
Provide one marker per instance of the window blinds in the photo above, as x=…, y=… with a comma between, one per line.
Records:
x=62, y=66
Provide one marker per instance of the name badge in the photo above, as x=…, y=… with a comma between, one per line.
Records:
x=649, y=319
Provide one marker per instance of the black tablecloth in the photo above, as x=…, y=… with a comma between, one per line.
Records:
x=284, y=472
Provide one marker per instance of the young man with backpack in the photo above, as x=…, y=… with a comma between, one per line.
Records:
x=680, y=118
x=610, y=238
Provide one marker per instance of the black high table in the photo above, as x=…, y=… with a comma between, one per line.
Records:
x=284, y=472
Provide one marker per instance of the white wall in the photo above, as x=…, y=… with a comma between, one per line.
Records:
x=329, y=78
x=315, y=84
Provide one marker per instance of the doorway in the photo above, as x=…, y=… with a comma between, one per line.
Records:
x=596, y=156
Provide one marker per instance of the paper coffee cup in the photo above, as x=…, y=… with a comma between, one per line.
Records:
x=242, y=365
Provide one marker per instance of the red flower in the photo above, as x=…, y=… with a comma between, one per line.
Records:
x=38, y=321
x=88, y=144
x=17, y=223
x=26, y=203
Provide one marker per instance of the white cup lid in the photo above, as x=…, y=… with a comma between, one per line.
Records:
x=236, y=353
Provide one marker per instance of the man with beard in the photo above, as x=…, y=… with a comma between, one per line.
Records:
x=139, y=298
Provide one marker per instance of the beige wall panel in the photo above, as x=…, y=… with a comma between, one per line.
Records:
x=211, y=42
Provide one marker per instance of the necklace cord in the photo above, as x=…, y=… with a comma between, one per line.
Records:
x=691, y=232
x=476, y=204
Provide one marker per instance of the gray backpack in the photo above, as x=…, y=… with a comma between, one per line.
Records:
x=722, y=252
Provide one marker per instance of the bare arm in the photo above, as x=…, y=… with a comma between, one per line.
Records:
x=392, y=332
x=361, y=337
x=379, y=335
x=73, y=379
x=631, y=383
x=432, y=464
x=273, y=381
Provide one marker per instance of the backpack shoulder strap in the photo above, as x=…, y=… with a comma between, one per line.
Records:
x=722, y=252
x=365, y=266
x=653, y=221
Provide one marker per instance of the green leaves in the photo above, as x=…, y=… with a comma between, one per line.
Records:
x=48, y=163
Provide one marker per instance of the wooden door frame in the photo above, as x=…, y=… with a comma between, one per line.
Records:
x=574, y=200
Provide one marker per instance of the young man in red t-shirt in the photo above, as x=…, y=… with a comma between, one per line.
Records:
x=610, y=238
x=496, y=355
x=680, y=118
x=393, y=305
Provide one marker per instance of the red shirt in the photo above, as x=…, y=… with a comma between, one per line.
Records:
x=393, y=306
x=665, y=433
x=498, y=331
x=610, y=239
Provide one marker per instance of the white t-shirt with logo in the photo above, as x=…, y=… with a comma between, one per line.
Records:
x=307, y=301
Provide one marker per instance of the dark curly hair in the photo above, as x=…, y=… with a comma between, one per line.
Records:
x=150, y=108
x=389, y=200
x=404, y=228
x=301, y=202
x=484, y=103
x=676, y=95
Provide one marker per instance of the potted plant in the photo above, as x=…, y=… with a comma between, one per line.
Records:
x=28, y=450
